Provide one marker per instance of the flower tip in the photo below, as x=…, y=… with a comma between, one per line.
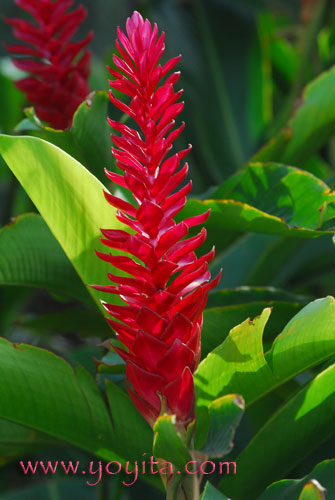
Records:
x=218, y=277
x=134, y=22
x=136, y=15
x=104, y=304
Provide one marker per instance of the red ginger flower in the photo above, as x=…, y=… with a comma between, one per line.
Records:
x=160, y=325
x=59, y=81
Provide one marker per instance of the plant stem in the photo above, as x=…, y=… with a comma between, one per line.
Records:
x=184, y=488
x=172, y=492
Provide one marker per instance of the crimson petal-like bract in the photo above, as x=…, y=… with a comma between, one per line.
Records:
x=58, y=68
x=166, y=292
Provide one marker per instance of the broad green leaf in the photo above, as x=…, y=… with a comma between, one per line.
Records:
x=63, y=139
x=310, y=127
x=312, y=491
x=218, y=321
x=70, y=200
x=280, y=191
x=41, y=391
x=225, y=414
x=85, y=355
x=31, y=256
x=237, y=366
x=168, y=444
x=238, y=260
x=91, y=134
x=293, y=260
x=307, y=339
x=88, y=139
x=273, y=260
x=289, y=489
x=269, y=199
x=88, y=323
x=127, y=421
x=211, y=493
x=17, y=440
x=299, y=427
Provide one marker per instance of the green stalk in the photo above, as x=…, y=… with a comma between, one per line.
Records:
x=184, y=488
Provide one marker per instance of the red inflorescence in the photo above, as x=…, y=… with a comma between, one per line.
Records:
x=59, y=67
x=161, y=323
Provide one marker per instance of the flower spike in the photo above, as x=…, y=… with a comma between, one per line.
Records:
x=167, y=290
x=59, y=68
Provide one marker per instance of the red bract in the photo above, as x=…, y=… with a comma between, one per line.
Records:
x=160, y=325
x=58, y=67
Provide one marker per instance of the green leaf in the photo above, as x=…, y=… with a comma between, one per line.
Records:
x=239, y=365
x=307, y=339
x=269, y=199
x=91, y=134
x=273, y=260
x=211, y=493
x=218, y=321
x=70, y=200
x=238, y=362
x=41, y=391
x=16, y=440
x=292, y=260
x=89, y=138
x=87, y=323
x=299, y=427
x=289, y=489
x=280, y=191
x=225, y=414
x=309, y=129
x=168, y=444
x=31, y=256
